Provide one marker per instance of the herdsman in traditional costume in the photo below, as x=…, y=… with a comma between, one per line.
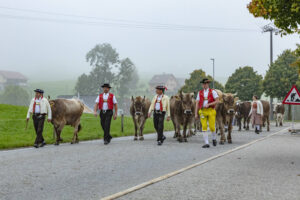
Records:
x=161, y=106
x=256, y=113
x=205, y=108
x=106, y=102
x=39, y=107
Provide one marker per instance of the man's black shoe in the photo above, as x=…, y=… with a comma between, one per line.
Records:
x=163, y=138
x=36, y=145
x=215, y=142
x=106, y=142
x=205, y=146
x=42, y=144
x=159, y=143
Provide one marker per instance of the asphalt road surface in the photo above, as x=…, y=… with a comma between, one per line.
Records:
x=90, y=170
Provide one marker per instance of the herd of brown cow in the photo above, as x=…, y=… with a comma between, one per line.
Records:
x=183, y=111
x=182, y=106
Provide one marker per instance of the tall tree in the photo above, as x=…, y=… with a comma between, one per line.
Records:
x=108, y=68
x=281, y=76
x=296, y=64
x=83, y=85
x=103, y=58
x=245, y=82
x=126, y=78
x=193, y=83
x=15, y=95
x=284, y=13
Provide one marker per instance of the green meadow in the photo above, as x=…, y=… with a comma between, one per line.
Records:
x=13, y=123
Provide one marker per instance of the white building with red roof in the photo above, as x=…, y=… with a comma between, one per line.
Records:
x=12, y=78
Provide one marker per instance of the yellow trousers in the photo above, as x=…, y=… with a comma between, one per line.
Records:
x=208, y=114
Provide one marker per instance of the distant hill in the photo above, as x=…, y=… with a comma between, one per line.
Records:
x=54, y=88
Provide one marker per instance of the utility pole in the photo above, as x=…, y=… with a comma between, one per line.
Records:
x=213, y=72
x=270, y=28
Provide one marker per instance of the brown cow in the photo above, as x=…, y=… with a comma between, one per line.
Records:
x=225, y=113
x=182, y=109
x=139, y=112
x=266, y=116
x=242, y=110
x=278, y=111
x=66, y=112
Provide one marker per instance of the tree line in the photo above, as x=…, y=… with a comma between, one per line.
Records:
x=107, y=66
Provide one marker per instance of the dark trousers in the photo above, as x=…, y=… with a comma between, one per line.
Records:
x=105, y=119
x=158, y=120
x=38, y=122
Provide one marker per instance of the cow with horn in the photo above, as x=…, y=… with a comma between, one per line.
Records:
x=225, y=112
x=66, y=112
x=182, y=109
x=139, y=112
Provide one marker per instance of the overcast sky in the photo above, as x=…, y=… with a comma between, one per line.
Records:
x=53, y=47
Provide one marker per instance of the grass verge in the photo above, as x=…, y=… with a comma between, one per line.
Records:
x=13, y=133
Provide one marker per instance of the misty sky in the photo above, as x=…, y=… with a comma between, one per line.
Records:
x=48, y=50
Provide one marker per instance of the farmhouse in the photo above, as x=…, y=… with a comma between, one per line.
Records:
x=169, y=80
x=11, y=78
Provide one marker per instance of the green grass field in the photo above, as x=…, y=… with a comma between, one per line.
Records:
x=13, y=133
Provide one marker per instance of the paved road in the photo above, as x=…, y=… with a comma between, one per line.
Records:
x=91, y=170
x=269, y=169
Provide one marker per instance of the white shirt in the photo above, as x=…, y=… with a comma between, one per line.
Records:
x=157, y=104
x=44, y=108
x=37, y=106
x=205, y=93
x=105, y=97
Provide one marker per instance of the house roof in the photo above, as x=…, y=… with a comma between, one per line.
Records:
x=161, y=78
x=12, y=75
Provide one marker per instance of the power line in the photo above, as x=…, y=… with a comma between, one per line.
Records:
x=114, y=22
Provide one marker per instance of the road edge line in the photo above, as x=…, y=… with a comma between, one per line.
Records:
x=174, y=173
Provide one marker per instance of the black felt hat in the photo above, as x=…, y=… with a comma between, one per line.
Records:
x=39, y=91
x=205, y=80
x=160, y=87
x=105, y=85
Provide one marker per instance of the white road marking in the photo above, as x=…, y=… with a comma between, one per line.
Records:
x=174, y=173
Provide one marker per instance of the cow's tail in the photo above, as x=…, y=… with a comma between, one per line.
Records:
x=79, y=127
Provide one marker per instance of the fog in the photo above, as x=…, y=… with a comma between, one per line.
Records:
x=53, y=47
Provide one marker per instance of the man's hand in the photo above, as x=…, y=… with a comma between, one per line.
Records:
x=196, y=116
x=168, y=118
x=49, y=120
x=27, y=119
x=95, y=114
x=149, y=115
x=206, y=106
x=115, y=116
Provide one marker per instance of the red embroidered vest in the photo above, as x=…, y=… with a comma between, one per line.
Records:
x=110, y=101
x=210, y=98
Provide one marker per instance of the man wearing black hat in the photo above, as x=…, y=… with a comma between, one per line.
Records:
x=205, y=107
x=161, y=106
x=39, y=108
x=106, y=102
